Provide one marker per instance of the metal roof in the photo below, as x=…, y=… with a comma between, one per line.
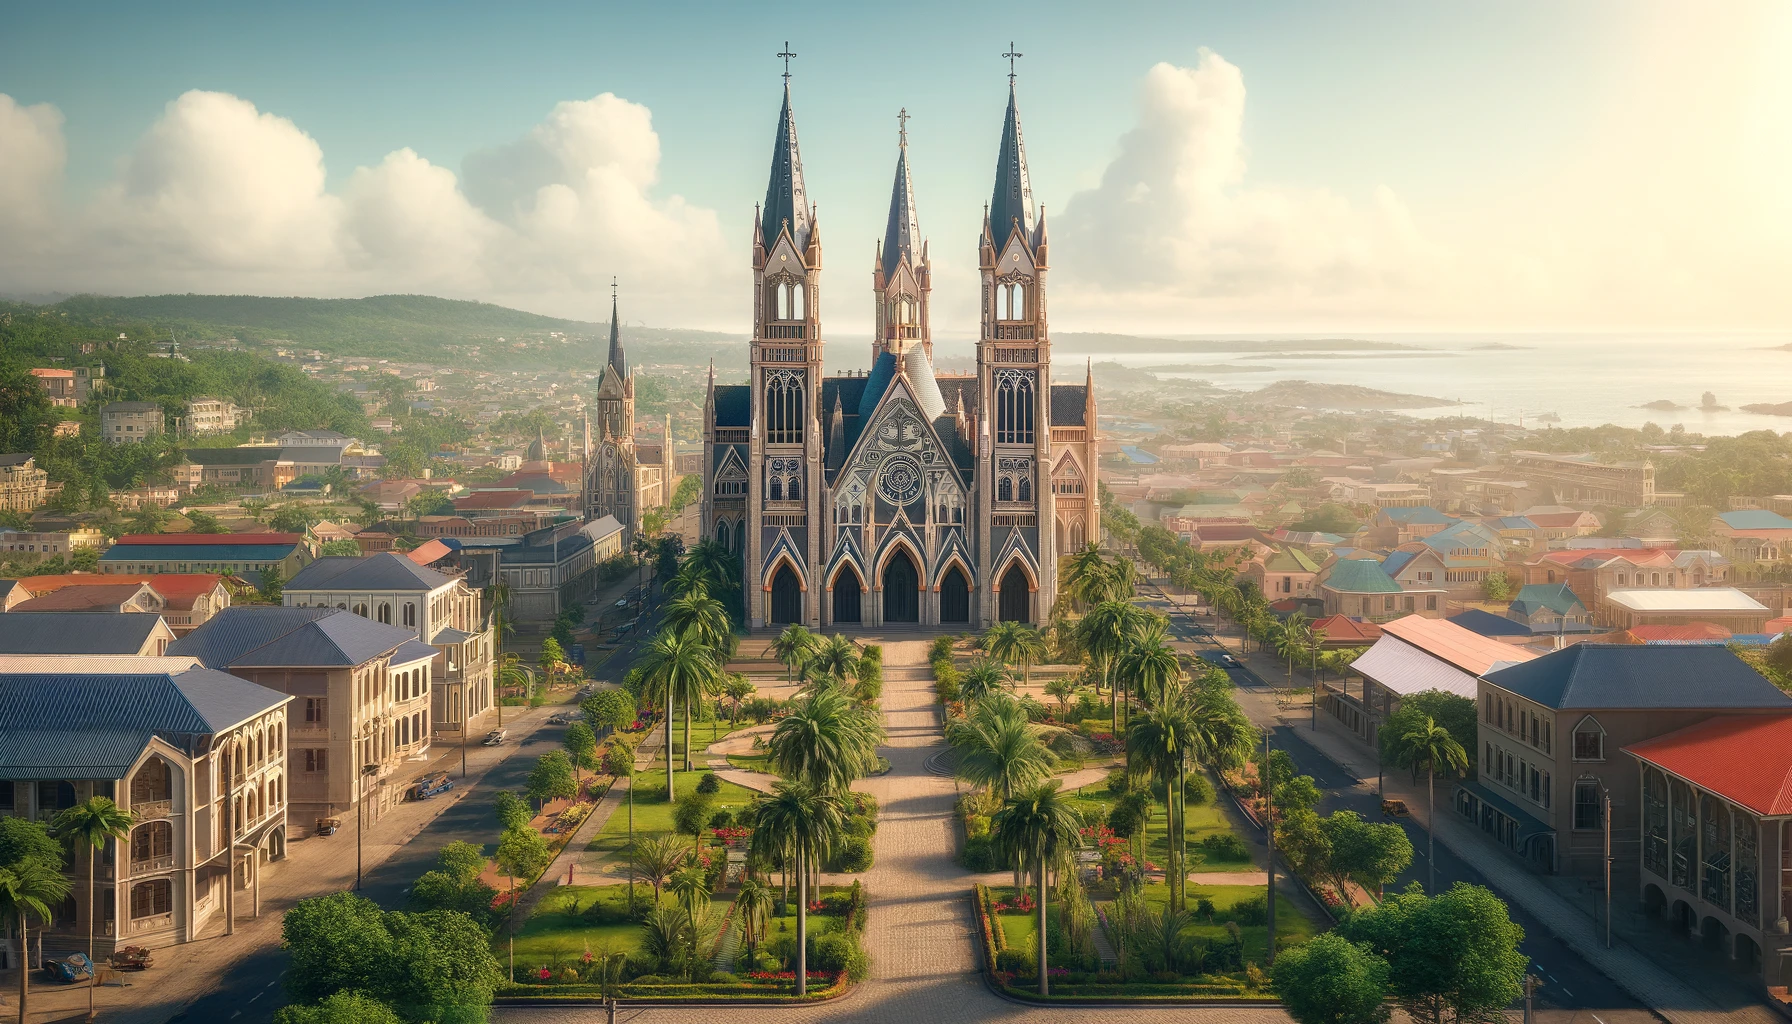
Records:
x=411, y=651
x=1405, y=669
x=1641, y=676
x=207, y=554
x=1755, y=519
x=1695, y=599
x=731, y=402
x=77, y=632
x=902, y=235
x=1359, y=576
x=289, y=636
x=1011, y=202
x=387, y=570
x=1746, y=759
x=1468, y=651
x=1069, y=403
x=618, y=358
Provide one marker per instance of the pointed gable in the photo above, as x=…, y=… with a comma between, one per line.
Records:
x=786, y=199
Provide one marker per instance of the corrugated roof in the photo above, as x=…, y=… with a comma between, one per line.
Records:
x=77, y=632
x=209, y=539
x=1359, y=576
x=288, y=636
x=1487, y=624
x=1689, y=631
x=1441, y=638
x=207, y=554
x=1596, y=675
x=411, y=651
x=78, y=599
x=1696, y=599
x=1755, y=519
x=1343, y=629
x=1556, y=597
x=387, y=570
x=1746, y=759
x=1405, y=670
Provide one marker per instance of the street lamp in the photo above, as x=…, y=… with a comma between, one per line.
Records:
x=367, y=771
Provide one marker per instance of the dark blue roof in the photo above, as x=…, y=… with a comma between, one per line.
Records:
x=1488, y=624
x=1012, y=200
x=56, y=725
x=76, y=632
x=387, y=570
x=882, y=373
x=618, y=358
x=207, y=553
x=786, y=200
x=1069, y=403
x=1641, y=676
x=902, y=235
x=732, y=407
x=262, y=636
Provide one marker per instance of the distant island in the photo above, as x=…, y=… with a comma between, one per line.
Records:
x=1663, y=405
x=1350, y=397
x=1073, y=341
x=1500, y=346
x=1765, y=409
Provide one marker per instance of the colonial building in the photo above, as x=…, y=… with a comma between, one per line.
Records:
x=901, y=496
x=22, y=484
x=130, y=422
x=622, y=478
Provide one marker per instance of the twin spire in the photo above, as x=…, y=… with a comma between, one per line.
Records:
x=902, y=237
x=786, y=200
x=618, y=358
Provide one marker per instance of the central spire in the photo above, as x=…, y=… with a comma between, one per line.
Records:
x=1011, y=203
x=786, y=201
x=618, y=358
x=903, y=234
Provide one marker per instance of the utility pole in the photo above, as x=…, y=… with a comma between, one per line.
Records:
x=1269, y=831
x=1530, y=990
x=1606, y=795
x=361, y=815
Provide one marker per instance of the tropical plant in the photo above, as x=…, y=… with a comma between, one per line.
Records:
x=1158, y=742
x=1085, y=575
x=656, y=859
x=90, y=825
x=1034, y=830
x=1016, y=643
x=983, y=678
x=832, y=662
x=1148, y=666
x=1430, y=747
x=753, y=904
x=678, y=668
x=793, y=647
x=1063, y=689
x=31, y=882
x=999, y=750
x=1105, y=632
x=799, y=824
x=826, y=741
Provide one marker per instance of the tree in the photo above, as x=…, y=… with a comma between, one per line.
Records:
x=1495, y=587
x=1451, y=957
x=656, y=859
x=581, y=748
x=552, y=656
x=26, y=416
x=1454, y=712
x=793, y=647
x=341, y=1008
x=1016, y=643
x=1149, y=666
x=342, y=547
x=333, y=942
x=832, y=662
x=512, y=812
x=1158, y=742
x=273, y=581
x=522, y=853
x=753, y=903
x=1062, y=689
x=1327, y=518
x=801, y=823
x=738, y=691
x=435, y=965
x=609, y=709
x=689, y=816
x=1033, y=830
x=1105, y=633
x=1430, y=747
x=981, y=679
x=1331, y=980
x=678, y=668
x=1369, y=853
x=999, y=750
x=552, y=778
x=826, y=741
x=1085, y=575
x=28, y=888
x=90, y=825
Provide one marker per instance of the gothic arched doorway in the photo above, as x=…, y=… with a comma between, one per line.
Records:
x=848, y=593
x=787, y=597
x=1015, y=598
x=955, y=596
x=902, y=589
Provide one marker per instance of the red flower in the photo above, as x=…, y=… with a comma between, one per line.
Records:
x=546, y=974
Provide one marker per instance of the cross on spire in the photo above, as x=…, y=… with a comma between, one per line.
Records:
x=786, y=54
x=902, y=126
x=1011, y=54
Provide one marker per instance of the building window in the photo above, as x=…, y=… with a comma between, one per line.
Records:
x=317, y=709
x=1431, y=603
x=1588, y=808
x=1011, y=302
x=1655, y=822
x=152, y=898
x=385, y=615
x=410, y=614
x=784, y=407
x=1014, y=407
x=1589, y=742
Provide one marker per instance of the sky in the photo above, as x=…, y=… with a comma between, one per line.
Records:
x=1205, y=168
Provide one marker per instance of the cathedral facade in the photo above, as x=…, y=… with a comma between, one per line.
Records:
x=623, y=477
x=901, y=495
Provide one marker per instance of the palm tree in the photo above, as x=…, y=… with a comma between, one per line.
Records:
x=1034, y=830
x=1158, y=742
x=1150, y=666
x=793, y=646
x=753, y=903
x=29, y=887
x=498, y=594
x=1106, y=630
x=999, y=750
x=826, y=741
x=91, y=824
x=677, y=667
x=1431, y=747
x=738, y=689
x=803, y=824
x=1294, y=640
x=695, y=613
x=1085, y=575
x=656, y=859
x=833, y=661
x=1017, y=644
x=981, y=679
x=1062, y=689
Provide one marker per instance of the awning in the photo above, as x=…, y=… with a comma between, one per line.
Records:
x=1404, y=669
x=1528, y=824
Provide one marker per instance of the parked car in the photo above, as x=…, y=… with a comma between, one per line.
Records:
x=559, y=718
x=495, y=737
x=1220, y=658
x=328, y=826
x=622, y=603
x=431, y=784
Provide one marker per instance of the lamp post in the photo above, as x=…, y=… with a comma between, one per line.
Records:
x=1269, y=831
x=367, y=771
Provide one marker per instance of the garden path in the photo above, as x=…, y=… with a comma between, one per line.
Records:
x=923, y=947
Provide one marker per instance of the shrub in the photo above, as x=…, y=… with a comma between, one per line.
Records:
x=709, y=784
x=860, y=826
x=1224, y=846
x=1119, y=783
x=1197, y=791
x=1252, y=911
x=852, y=854
x=1016, y=962
x=978, y=856
x=941, y=648
x=721, y=819
x=838, y=952
x=1204, y=909
x=946, y=685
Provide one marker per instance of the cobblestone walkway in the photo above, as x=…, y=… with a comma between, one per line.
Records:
x=924, y=957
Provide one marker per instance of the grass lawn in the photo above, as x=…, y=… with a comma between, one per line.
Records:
x=1292, y=921
x=1205, y=820
x=654, y=814
x=702, y=735
x=560, y=931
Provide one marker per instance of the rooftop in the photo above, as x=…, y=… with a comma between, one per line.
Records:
x=1696, y=599
x=1746, y=759
x=77, y=632
x=1598, y=675
x=1467, y=650
x=1359, y=576
x=1755, y=519
x=289, y=636
x=387, y=570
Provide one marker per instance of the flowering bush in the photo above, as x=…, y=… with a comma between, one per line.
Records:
x=822, y=976
x=731, y=833
x=1101, y=837
x=1021, y=904
x=503, y=900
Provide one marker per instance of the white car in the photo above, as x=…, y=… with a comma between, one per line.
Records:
x=495, y=737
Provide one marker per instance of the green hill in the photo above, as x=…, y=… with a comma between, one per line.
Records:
x=418, y=328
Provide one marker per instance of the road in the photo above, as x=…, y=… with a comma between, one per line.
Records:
x=251, y=992
x=1572, y=990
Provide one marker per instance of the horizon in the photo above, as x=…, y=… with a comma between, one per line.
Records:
x=1285, y=169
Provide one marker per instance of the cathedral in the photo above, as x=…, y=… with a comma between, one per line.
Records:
x=901, y=495
x=624, y=477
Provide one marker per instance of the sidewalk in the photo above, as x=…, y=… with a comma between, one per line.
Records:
x=312, y=867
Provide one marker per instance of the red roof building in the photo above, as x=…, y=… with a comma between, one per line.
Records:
x=1745, y=759
x=1343, y=631
x=192, y=598
x=1689, y=631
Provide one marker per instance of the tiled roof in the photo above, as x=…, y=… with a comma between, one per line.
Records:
x=77, y=632
x=1359, y=576
x=1755, y=519
x=1344, y=629
x=1689, y=631
x=510, y=497
x=71, y=725
x=1597, y=675
x=206, y=539
x=1488, y=624
x=1746, y=759
x=387, y=570
x=1469, y=651
x=327, y=637
x=1069, y=402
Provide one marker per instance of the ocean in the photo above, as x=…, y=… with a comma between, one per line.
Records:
x=1581, y=379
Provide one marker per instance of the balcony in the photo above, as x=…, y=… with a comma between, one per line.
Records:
x=151, y=865
x=150, y=810
x=1014, y=332
x=153, y=923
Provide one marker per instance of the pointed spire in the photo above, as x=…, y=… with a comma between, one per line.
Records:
x=903, y=232
x=618, y=358
x=537, y=448
x=1012, y=201
x=786, y=201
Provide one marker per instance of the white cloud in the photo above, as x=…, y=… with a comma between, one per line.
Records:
x=218, y=196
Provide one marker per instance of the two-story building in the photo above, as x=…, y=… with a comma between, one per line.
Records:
x=438, y=608
x=550, y=568
x=244, y=555
x=83, y=632
x=1361, y=588
x=130, y=422
x=1284, y=572
x=1551, y=731
x=1545, y=608
x=207, y=415
x=188, y=599
x=1753, y=535
x=196, y=756
x=361, y=696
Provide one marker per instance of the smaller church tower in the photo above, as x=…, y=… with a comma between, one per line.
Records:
x=611, y=484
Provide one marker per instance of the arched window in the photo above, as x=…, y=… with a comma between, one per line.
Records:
x=777, y=488
x=1005, y=489
x=151, y=782
x=1014, y=407
x=1011, y=301
x=783, y=479
x=361, y=609
x=385, y=612
x=790, y=300
x=410, y=614
x=784, y=407
x=152, y=899
x=1023, y=489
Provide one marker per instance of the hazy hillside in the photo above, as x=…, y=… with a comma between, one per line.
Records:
x=418, y=328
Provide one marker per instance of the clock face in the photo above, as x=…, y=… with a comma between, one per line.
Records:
x=900, y=480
